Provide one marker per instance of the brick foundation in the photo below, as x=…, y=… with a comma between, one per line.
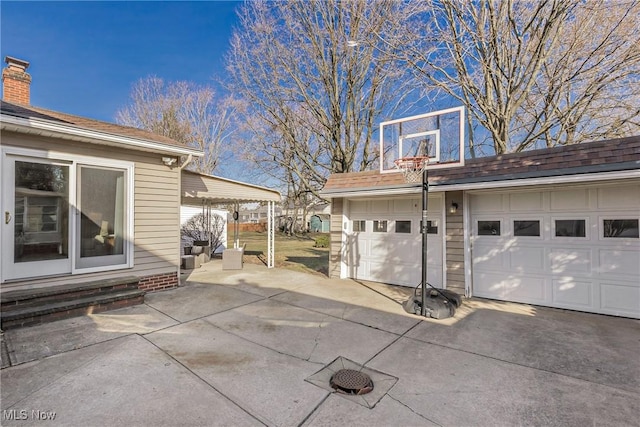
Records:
x=159, y=282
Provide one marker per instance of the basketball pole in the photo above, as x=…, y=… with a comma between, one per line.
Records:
x=425, y=205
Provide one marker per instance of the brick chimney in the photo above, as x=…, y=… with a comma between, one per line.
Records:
x=16, y=82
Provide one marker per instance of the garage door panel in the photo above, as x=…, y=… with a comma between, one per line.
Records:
x=405, y=274
x=527, y=259
x=487, y=257
x=487, y=203
x=592, y=273
x=563, y=200
x=405, y=206
x=570, y=260
x=527, y=202
x=390, y=256
x=488, y=285
x=620, y=262
x=357, y=207
x=621, y=196
x=569, y=292
x=379, y=206
x=620, y=298
x=525, y=288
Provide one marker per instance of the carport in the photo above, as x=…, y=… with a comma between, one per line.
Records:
x=203, y=190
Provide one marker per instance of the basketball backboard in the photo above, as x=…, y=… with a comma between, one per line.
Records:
x=438, y=135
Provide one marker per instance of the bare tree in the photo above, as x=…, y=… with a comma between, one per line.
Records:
x=182, y=111
x=201, y=228
x=315, y=84
x=533, y=73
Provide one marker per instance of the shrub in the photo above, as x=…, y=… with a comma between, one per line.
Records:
x=322, y=241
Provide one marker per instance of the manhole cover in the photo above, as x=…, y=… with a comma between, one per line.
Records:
x=351, y=381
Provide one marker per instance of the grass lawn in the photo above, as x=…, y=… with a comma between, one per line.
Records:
x=292, y=252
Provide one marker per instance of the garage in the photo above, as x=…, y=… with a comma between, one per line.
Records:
x=555, y=227
x=383, y=240
x=575, y=247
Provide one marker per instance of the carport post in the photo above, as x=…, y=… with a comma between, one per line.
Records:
x=270, y=234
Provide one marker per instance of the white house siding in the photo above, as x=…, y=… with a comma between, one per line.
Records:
x=455, y=268
x=336, y=236
x=592, y=273
x=156, y=209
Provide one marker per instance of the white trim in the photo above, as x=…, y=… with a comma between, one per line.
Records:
x=553, y=180
x=461, y=130
x=436, y=132
x=423, y=116
x=467, y=245
x=22, y=125
x=487, y=185
x=615, y=217
x=570, y=217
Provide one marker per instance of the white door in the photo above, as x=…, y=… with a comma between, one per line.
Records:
x=36, y=217
x=576, y=248
x=384, y=242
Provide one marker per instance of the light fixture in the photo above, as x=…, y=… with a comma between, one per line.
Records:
x=169, y=161
x=453, y=208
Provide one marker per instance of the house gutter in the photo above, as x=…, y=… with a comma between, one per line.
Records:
x=75, y=133
x=182, y=166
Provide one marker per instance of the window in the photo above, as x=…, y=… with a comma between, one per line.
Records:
x=620, y=228
x=403, y=226
x=380, y=226
x=432, y=226
x=102, y=205
x=571, y=228
x=488, y=228
x=526, y=228
x=359, y=225
x=41, y=207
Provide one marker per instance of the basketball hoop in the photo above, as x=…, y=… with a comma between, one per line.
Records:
x=412, y=167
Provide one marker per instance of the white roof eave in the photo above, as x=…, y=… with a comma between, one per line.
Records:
x=75, y=133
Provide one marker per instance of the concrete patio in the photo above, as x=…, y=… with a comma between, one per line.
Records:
x=252, y=346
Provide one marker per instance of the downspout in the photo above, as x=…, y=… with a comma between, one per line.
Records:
x=180, y=169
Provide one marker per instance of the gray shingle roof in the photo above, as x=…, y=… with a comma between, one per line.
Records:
x=592, y=157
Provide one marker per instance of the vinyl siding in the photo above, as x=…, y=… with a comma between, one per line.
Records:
x=156, y=209
x=455, y=244
x=335, y=251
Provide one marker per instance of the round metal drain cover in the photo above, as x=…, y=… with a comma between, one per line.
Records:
x=350, y=381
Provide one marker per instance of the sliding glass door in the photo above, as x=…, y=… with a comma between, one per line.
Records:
x=36, y=231
x=102, y=206
x=69, y=215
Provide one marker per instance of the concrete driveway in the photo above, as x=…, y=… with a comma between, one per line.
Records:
x=258, y=346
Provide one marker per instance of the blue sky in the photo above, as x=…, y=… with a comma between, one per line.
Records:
x=85, y=56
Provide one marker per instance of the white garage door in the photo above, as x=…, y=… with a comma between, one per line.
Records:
x=384, y=242
x=575, y=248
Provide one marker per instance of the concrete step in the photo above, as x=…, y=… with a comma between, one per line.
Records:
x=29, y=307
